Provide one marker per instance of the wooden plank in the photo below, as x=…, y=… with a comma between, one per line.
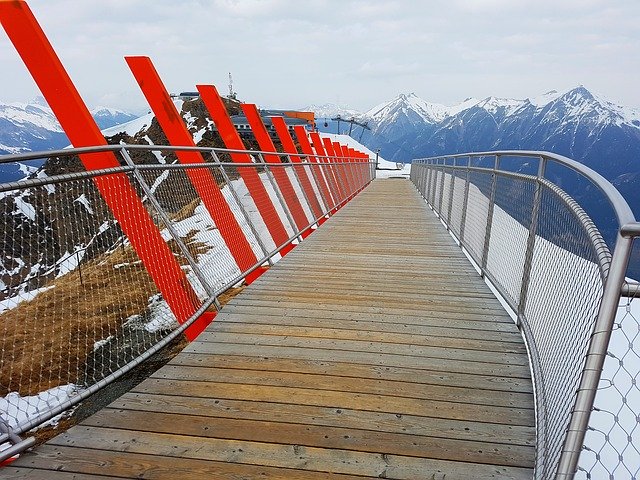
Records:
x=405, y=389
x=443, y=352
x=339, y=399
x=312, y=436
x=478, y=321
x=446, y=339
x=284, y=456
x=315, y=415
x=252, y=319
x=46, y=473
x=366, y=358
x=355, y=370
x=78, y=462
x=344, y=360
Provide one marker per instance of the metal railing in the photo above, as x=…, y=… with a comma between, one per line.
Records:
x=79, y=307
x=536, y=245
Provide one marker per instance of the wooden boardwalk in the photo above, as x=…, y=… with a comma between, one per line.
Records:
x=372, y=350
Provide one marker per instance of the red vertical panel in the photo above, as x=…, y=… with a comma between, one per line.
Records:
x=328, y=171
x=353, y=155
x=346, y=168
x=279, y=173
x=346, y=153
x=305, y=146
x=338, y=170
x=65, y=101
x=202, y=179
x=252, y=180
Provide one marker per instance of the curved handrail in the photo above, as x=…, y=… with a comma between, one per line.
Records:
x=431, y=183
x=21, y=157
x=623, y=211
x=206, y=276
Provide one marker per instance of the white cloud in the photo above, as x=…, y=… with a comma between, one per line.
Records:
x=287, y=52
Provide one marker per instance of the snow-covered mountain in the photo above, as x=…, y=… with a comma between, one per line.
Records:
x=576, y=123
x=332, y=110
x=26, y=127
x=107, y=117
x=29, y=126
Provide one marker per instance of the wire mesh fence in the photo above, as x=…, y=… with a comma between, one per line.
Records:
x=80, y=303
x=550, y=263
x=612, y=442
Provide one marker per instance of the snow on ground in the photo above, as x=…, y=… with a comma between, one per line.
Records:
x=24, y=296
x=134, y=126
x=391, y=168
x=17, y=410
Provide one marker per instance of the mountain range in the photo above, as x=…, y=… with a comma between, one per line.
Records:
x=576, y=123
x=26, y=127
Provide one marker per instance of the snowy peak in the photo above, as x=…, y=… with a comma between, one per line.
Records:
x=503, y=106
x=580, y=104
x=107, y=117
x=30, y=115
x=332, y=110
x=408, y=107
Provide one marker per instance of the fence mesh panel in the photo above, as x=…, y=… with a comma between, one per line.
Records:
x=457, y=202
x=549, y=261
x=477, y=213
x=77, y=305
x=612, y=442
x=510, y=224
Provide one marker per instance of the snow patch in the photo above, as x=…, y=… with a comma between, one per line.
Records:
x=85, y=202
x=17, y=410
x=24, y=208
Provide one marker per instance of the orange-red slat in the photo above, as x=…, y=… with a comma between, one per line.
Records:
x=232, y=140
x=119, y=194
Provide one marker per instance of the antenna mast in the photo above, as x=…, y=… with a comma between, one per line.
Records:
x=232, y=94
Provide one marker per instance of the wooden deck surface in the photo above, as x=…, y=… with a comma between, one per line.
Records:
x=372, y=350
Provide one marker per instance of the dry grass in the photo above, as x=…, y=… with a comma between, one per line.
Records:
x=45, y=341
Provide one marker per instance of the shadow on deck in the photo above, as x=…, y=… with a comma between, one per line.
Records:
x=372, y=350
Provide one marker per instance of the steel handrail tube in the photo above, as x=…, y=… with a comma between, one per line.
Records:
x=612, y=271
x=210, y=291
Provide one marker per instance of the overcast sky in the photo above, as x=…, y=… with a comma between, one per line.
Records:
x=291, y=53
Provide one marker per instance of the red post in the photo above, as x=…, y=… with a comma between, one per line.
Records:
x=338, y=169
x=305, y=146
x=328, y=171
x=252, y=180
x=289, y=147
x=202, y=179
x=352, y=174
x=346, y=169
x=279, y=173
x=118, y=193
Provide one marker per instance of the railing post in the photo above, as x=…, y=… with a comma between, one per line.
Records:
x=465, y=204
x=231, y=138
x=451, y=191
x=296, y=213
x=281, y=199
x=492, y=201
x=595, y=358
x=434, y=181
x=327, y=172
x=531, y=240
x=441, y=198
